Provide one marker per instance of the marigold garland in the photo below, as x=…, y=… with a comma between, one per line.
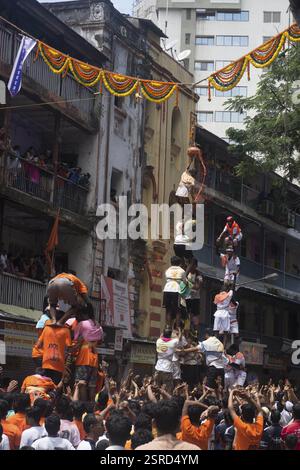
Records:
x=55, y=60
x=157, y=91
x=264, y=55
x=230, y=76
x=85, y=74
x=119, y=85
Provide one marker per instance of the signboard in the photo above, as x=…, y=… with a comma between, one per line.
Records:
x=119, y=340
x=253, y=352
x=108, y=343
x=19, y=338
x=271, y=361
x=143, y=353
x=116, y=309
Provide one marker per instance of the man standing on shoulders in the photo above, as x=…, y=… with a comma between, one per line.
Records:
x=165, y=348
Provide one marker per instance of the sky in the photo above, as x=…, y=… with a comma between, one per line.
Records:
x=124, y=6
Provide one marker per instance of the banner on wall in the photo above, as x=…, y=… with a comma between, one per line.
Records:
x=18, y=338
x=115, y=311
x=15, y=81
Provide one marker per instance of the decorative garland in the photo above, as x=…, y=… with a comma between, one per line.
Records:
x=261, y=57
x=156, y=91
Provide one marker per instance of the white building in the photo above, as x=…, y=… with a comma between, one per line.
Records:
x=217, y=32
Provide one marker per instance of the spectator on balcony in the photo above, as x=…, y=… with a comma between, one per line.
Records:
x=74, y=175
x=3, y=258
x=84, y=180
x=14, y=156
x=30, y=155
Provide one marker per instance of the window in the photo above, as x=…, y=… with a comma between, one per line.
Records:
x=272, y=16
x=220, y=64
x=188, y=14
x=203, y=91
x=237, y=91
x=229, y=116
x=205, y=116
x=266, y=38
x=204, y=66
x=187, y=38
x=205, y=40
x=219, y=15
x=232, y=41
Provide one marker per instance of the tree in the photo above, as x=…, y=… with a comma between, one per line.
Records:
x=271, y=138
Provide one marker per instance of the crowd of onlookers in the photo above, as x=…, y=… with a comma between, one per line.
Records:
x=30, y=267
x=39, y=161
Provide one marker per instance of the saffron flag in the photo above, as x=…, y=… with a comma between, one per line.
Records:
x=52, y=243
x=15, y=81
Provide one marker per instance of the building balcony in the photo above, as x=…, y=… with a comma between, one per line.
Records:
x=69, y=97
x=21, y=176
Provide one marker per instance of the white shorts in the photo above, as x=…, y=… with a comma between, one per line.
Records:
x=222, y=321
x=229, y=378
x=234, y=326
x=230, y=277
x=240, y=378
x=176, y=370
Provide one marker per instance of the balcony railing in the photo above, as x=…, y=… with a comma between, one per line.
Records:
x=21, y=292
x=40, y=183
x=38, y=72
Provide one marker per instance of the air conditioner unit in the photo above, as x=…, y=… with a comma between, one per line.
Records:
x=267, y=208
x=291, y=219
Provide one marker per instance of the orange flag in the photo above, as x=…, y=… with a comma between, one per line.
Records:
x=52, y=243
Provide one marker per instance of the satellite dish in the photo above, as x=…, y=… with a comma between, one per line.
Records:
x=170, y=45
x=184, y=55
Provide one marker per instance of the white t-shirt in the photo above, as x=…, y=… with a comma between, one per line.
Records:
x=232, y=309
x=4, y=444
x=182, y=342
x=52, y=443
x=165, y=351
x=31, y=435
x=232, y=266
x=214, y=352
x=174, y=275
x=224, y=305
x=69, y=430
x=85, y=445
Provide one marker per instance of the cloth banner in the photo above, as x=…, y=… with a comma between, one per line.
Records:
x=15, y=81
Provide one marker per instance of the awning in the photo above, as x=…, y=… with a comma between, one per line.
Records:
x=19, y=314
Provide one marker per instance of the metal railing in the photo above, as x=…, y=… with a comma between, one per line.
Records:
x=22, y=292
x=38, y=71
x=38, y=182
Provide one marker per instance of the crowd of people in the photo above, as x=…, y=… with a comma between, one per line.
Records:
x=33, y=267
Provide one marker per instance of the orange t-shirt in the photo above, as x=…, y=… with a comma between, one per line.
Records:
x=13, y=434
x=80, y=287
x=19, y=420
x=100, y=381
x=197, y=435
x=81, y=430
x=86, y=357
x=36, y=352
x=37, y=386
x=54, y=341
x=247, y=435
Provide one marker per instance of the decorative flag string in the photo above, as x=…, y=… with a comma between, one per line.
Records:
x=160, y=91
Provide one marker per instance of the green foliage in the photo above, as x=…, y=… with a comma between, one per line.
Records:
x=272, y=127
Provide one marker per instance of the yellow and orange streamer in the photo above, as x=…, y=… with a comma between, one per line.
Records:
x=157, y=91
x=261, y=57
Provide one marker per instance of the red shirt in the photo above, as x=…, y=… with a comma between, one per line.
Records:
x=292, y=428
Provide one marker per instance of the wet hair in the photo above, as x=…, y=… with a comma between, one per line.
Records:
x=167, y=332
x=102, y=445
x=52, y=425
x=296, y=411
x=233, y=349
x=149, y=409
x=3, y=409
x=89, y=420
x=194, y=413
x=78, y=409
x=176, y=261
x=275, y=416
x=179, y=400
x=34, y=413
x=21, y=402
x=140, y=437
x=118, y=429
x=228, y=418
x=45, y=406
x=63, y=408
x=143, y=421
x=248, y=412
x=209, y=332
x=102, y=400
x=167, y=416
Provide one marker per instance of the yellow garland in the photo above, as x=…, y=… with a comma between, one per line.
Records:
x=115, y=93
x=275, y=55
x=53, y=69
x=291, y=38
x=161, y=100
x=90, y=84
x=230, y=87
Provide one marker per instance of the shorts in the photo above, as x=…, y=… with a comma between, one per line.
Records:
x=54, y=375
x=87, y=373
x=222, y=321
x=193, y=306
x=234, y=326
x=182, y=252
x=171, y=302
x=176, y=370
x=212, y=374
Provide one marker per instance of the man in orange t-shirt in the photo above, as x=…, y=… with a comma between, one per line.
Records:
x=10, y=430
x=192, y=431
x=69, y=292
x=20, y=403
x=38, y=385
x=54, y=342
x=248, y=428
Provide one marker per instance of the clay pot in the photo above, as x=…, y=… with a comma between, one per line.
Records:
x=193, y=152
